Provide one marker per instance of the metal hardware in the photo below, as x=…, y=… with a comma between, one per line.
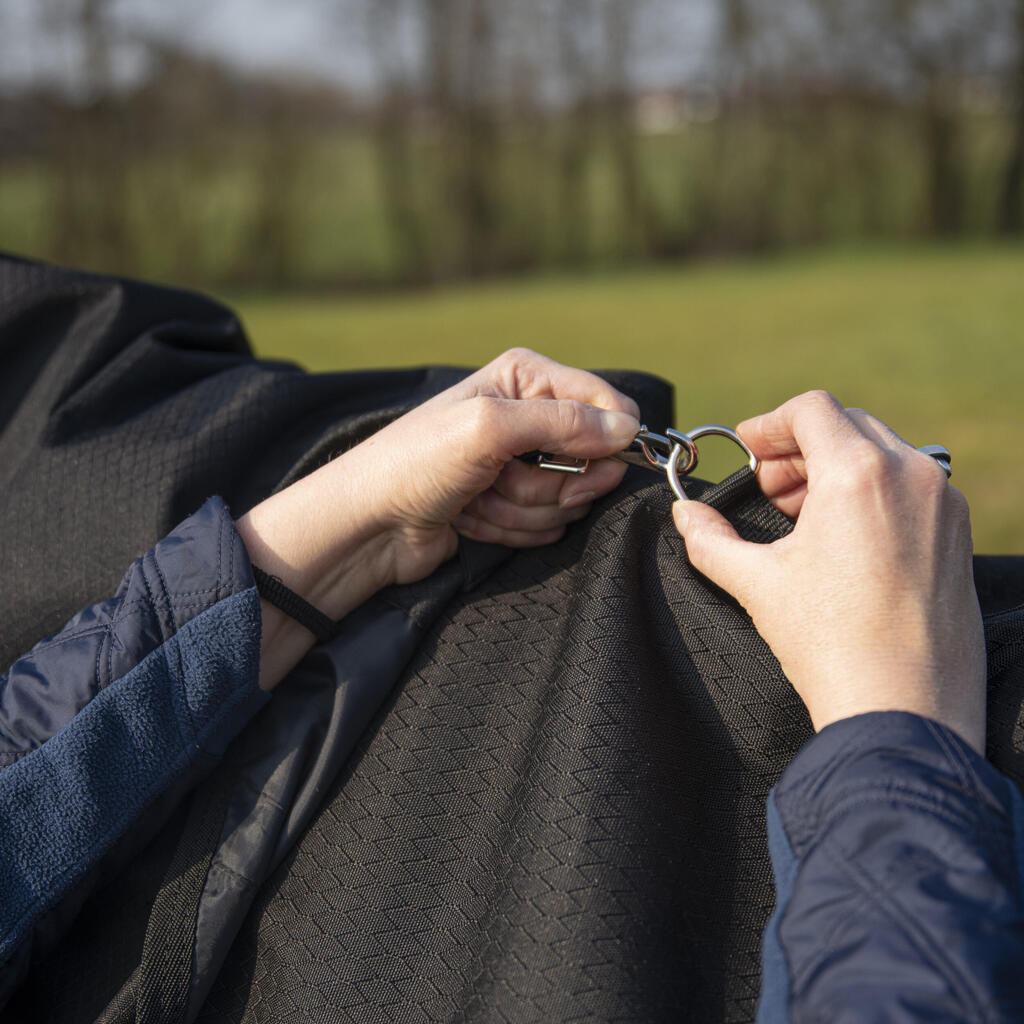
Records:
x=941, y=455
x=688, y=442
x=716, y=429
x=673, y=453
x=652, y=451
x=562, y=463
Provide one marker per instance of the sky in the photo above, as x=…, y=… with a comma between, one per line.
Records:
x=261, y=35
x=313, y=38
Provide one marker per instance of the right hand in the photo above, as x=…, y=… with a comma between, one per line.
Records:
x=869, y=604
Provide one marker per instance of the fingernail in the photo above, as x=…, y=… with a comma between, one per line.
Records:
x=619, y=427
x=681, y=514
x=577, y=499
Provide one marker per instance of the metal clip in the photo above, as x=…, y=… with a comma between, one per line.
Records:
x=562, y=463
x=660, y=453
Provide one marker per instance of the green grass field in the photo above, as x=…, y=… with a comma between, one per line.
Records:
x=931, y=340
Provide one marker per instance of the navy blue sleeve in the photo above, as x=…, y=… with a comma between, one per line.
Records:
x=101, y=719
x=899, y=862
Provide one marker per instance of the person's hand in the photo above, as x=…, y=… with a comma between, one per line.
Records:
x=449, y=466
x=390, y=509
x=869, y=604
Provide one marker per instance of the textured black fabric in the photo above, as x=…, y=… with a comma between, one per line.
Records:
x=740, y=499
x=162, y=981
x=559, y=813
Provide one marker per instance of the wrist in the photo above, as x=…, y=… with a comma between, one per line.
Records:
x=323, y=544
x=333, y=559
x=958, y=704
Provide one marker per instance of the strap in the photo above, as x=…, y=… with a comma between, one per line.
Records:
x=294, y=606
x=739, y=499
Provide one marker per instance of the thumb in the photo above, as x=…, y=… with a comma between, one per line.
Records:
x=563, y=426
x=715, y=548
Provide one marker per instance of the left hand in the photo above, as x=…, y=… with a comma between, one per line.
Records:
x=391, y=509
x=449, y=466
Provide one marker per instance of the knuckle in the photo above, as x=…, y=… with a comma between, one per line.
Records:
x=482, y=415
x=959, y=502
x=866, y=464
x=929, y=479
x=531, y=491
x=519, y=355
x=819, y=398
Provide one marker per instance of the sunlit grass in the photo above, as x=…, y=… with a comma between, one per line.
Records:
x=931, y=340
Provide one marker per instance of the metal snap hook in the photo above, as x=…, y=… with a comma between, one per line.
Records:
x=657, y=452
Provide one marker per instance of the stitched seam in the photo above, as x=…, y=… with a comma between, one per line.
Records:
x=160, y=601
x=64, y=637
x=222, y=867
x=151, y=601
x=809, y=786
x=887, y=902
x=109, y=643
x=843, y=756
x=166, y=590
x=842, y=920
x=97, y=682
x=915, y=801
x=104, y=627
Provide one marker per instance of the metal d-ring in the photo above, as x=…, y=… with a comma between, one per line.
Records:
x=657, y=452
x=687, y=442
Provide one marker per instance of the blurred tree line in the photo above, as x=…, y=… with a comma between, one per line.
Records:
x=504, y=135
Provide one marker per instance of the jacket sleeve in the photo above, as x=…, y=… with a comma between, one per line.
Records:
x=98, y=722
x=898, y=855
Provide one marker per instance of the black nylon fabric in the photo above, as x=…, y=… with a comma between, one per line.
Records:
x=558, y=814
x=559, y=817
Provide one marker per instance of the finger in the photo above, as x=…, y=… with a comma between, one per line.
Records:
x=497, y=510
x=602, y=476
x=504, y=428
x=523, y=373
x=527, y=484
x=479, y=529
x=813, y=425
x=780, y=477
x=715, y=549
x=789, y=502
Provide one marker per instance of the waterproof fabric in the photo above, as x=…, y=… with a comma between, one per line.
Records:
x=529, y=788
x=899, y=859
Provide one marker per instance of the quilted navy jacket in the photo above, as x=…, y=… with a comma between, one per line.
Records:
x=898, y=851
x=104, y=724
